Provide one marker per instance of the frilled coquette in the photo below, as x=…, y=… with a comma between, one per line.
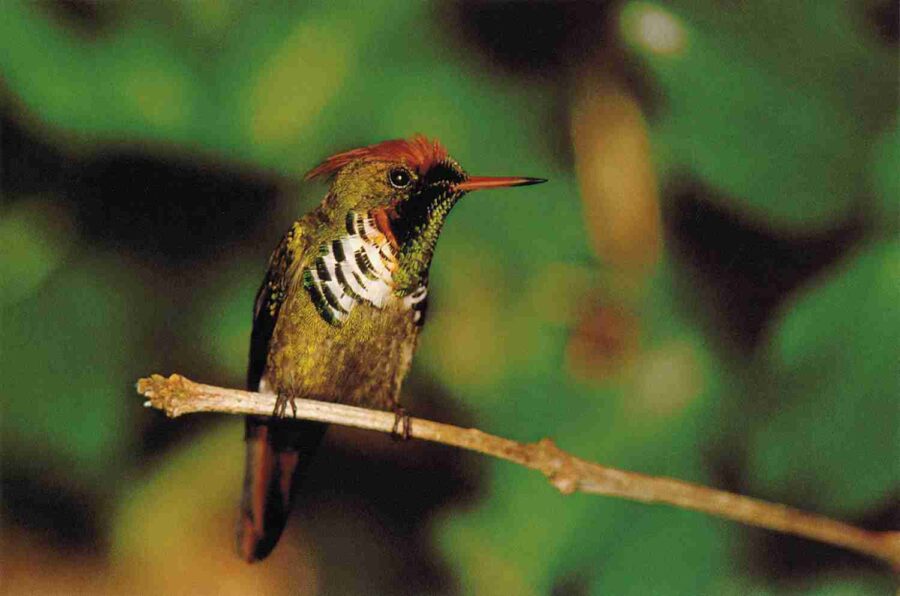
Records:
x=338, y=314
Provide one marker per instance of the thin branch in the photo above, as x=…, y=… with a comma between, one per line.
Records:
x=177, y=395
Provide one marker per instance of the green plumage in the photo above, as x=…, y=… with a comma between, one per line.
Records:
x=364, y=360
x=339, y=312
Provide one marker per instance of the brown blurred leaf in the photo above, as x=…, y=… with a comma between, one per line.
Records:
x=618, y=184
x=175, y=530
x=604, y=342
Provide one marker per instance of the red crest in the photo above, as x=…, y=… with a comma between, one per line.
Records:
x=418, y=153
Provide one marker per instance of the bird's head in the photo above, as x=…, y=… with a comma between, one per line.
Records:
x=409, y=186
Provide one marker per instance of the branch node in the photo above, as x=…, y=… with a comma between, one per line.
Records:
x=557, y=466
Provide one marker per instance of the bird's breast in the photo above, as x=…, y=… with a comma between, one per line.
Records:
x=361, y=361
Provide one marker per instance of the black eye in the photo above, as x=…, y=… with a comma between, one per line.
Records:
x=399, y=178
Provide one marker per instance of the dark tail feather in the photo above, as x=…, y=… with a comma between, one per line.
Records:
x=278, y=452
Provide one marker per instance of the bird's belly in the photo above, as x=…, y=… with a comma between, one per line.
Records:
x=362, y=362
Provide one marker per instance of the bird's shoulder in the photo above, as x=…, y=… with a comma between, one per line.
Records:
x=285, y=261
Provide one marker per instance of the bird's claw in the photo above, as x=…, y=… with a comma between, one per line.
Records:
x=281, y=404
x=402, y=428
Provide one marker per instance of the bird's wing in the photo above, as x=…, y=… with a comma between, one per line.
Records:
x=269, y=298
x=277, y=451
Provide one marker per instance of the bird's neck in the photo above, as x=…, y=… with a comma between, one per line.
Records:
x=392, y=246
x=416, y=226
x=411, y=229
x=415, y=253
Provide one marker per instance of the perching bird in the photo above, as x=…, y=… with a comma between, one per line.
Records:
x=339, y=311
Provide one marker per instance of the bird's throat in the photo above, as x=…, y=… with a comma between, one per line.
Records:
x=417, y=224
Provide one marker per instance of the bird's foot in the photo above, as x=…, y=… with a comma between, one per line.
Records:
x=402, y=428
x=281, y=404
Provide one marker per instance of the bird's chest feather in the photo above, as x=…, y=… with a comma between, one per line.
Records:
x=347, y=334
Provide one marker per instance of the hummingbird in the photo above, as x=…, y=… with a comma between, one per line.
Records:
x=339, y=311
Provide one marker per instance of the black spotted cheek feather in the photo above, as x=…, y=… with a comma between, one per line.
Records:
x=357, y=267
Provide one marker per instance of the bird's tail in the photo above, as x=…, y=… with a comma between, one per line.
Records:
x=278, y=453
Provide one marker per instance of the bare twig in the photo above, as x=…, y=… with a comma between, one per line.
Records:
x=177, y=395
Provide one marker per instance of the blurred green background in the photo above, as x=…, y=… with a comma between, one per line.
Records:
x=706, y=289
